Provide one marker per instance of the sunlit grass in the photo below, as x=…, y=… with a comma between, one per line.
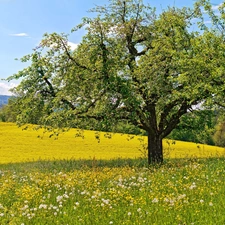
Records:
x=188, y=191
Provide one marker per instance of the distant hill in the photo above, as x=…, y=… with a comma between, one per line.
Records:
x=4, y=99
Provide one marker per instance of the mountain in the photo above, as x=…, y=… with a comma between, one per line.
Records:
x=4, y=99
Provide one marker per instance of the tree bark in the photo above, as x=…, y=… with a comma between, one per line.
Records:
x=155, y=150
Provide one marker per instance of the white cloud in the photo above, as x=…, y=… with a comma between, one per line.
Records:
x=20, y=35
x=72, y=45
x=207, y=22
x=215, y=7
x=4, y=88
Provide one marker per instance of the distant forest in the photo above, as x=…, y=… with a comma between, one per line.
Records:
x=4, y=99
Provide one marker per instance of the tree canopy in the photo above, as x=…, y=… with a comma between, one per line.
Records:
x=131, y=65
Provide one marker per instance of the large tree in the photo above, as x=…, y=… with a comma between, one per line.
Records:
x=131, y=65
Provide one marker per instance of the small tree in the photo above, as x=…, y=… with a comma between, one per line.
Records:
x=219, y=136
x=131, y=65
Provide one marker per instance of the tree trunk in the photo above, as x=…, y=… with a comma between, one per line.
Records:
x=155, y=151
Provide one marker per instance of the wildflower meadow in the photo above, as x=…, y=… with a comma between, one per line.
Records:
x=110, y=190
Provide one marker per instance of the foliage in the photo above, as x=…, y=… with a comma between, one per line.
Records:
x=132, y=65
x=198, y=127
x=217, y=21
x=9, y=112
x=218, y=25
x=219, y=136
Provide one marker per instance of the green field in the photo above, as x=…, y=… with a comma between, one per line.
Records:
x=80, y=181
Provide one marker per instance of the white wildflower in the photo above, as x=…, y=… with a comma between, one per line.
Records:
x=43, y=206
x=139, y=210
x=193, y=186
x=59, y=198
x=155, y=200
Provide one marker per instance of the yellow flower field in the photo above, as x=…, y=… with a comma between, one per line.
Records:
x=19, y=145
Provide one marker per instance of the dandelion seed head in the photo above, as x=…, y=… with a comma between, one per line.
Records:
x=155, y=200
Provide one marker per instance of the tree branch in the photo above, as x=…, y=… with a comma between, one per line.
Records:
x=175, y=119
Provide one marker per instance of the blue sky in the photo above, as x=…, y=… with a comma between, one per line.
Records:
x=23, y=23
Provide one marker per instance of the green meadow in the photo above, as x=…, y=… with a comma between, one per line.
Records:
x=84, y=177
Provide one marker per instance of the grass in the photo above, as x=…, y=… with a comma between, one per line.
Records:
x=82, y=186
x=184, y=191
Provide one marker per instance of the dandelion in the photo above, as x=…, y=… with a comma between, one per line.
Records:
x=166, y=200
x=111, y=222
x=201, y=201
x=155, y=200
x=25, y=207
x=1, y=214
x=181, y=196
x=106, y=201
x=65, y=196
x=139, y=210
x=43, y=206
x=59, y=198
x=172, y=202
x=129, y=213
x=193, y=186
